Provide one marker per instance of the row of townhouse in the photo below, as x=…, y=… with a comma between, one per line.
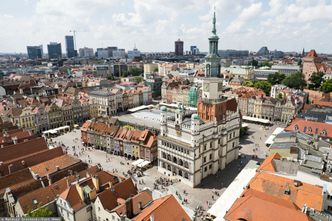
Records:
x=38, y=118
x=134, y=144
x=109, y=101
x=254, y=103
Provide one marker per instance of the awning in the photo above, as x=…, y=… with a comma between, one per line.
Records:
x=144, y=164
x=136, y=162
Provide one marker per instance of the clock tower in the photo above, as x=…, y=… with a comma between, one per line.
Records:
x=212, y=60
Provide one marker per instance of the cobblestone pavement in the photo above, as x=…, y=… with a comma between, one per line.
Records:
x=204, y=195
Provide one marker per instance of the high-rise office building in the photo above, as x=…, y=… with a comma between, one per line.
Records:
x=86, y=52
x=54, y=50
x=35, y=52
x=70, y=46
x=194, y=50
x=179, y=47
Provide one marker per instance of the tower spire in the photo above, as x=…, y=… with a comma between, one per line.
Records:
x=214, y=31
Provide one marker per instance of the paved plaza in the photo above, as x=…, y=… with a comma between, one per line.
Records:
x=203, y=196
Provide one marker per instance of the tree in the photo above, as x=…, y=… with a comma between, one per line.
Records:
x=248, y=83
x=316, y=80
x=264, y=85
x=138, y=79
x=41, y=212
x=253, y=63
x=276, y=78
x=110, y=77
x=134, y=71
x=326, y=86
x=265, y=64
x=243, y=131
x=129, y=127
x=295, y=80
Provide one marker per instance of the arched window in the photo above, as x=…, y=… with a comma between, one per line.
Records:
x=174, y=160
x=296, y=127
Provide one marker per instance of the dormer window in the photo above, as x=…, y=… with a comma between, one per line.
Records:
x=296, y=127
x=309, y=129
x=323, y=133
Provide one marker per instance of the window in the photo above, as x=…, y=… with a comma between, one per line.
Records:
x=204, y=159
x=329, y=197
x=210, y=156
x=210, y=166
x=305, y=129
x=205, y=169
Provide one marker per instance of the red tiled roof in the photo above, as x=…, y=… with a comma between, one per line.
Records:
x=311, y=127
x=268, y=164
x=254, y=205
x=50, y=166
x=312, y=54
x=301, y=194
x=22, y=149
x=72, y=196
x=42, y=196
x=165, y=208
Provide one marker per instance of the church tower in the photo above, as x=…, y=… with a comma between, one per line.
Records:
x=212, y=60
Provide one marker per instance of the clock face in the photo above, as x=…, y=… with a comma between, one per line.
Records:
x=206, y=87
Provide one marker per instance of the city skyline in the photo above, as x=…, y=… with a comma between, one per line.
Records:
x=152, y=25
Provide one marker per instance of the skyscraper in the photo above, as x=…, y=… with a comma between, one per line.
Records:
x=54, y=50
x=179, y=47
x=70, y=46
x=212, y=60
x=35, y=52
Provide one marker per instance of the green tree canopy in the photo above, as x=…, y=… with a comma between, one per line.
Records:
x=316, y=80
x=254, y=63
x=265, y=64
x=276, y=78
x=129, y=127
x=326, y=86
x=264, y=85
x=110, y=77
x=295, y=80
x=248, y=83
x=41, y=212
x=138, y=79
x=134, y=71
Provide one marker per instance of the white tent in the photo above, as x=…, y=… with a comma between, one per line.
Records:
x=137, y=162
x=144, y=164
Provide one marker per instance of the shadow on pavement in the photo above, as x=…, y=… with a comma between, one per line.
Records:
x=222, y=179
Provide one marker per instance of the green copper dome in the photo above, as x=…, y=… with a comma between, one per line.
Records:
x=194, y=117
x=163, y=109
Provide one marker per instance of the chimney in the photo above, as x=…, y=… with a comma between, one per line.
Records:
x=129, y=208
x=95, y=181
x=67, y=181
x=49, y=179
x=14, y=140
x=10, y=166
x=57, y=168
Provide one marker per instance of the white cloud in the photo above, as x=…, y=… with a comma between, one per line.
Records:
x=154, y=24
x=246, y=15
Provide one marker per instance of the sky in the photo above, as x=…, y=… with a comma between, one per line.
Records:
x=154, y=25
